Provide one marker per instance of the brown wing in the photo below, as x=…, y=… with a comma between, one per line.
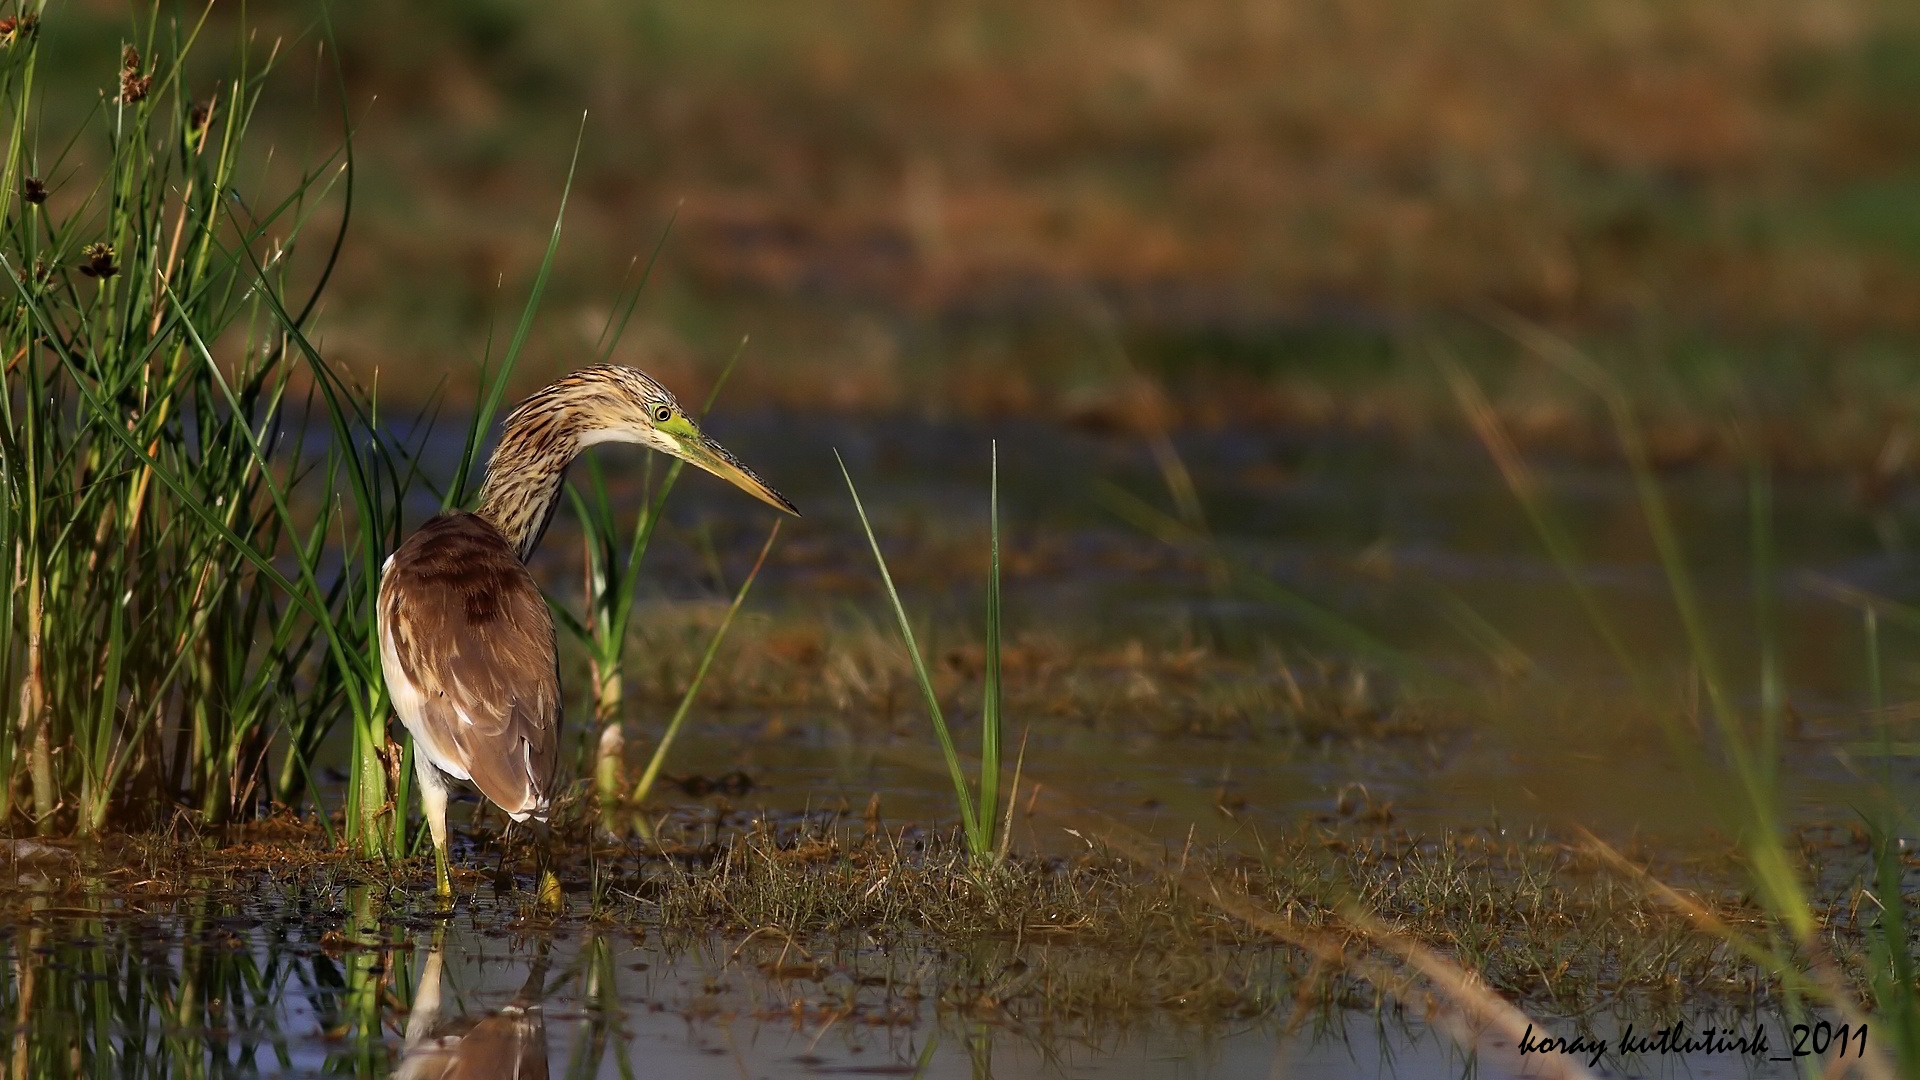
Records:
x=511, y=1043
x=467, y=645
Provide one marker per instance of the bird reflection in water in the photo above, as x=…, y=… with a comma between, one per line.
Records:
x=510, y=1042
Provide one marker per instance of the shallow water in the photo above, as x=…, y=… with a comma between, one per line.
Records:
x=1420, y=545
x=1400, y=539
x=325, y=981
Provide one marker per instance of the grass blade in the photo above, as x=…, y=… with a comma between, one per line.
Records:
x=969, y=821
x=990, y=709
x=642, y=789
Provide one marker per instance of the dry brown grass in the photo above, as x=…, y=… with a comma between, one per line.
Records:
x=1193, y=161
x=857, y=671
x=1219, y=163
x=948, y=207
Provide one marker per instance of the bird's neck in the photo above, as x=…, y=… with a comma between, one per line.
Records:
x=522, y=487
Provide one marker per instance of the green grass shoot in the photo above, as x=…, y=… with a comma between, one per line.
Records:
x=977, y=817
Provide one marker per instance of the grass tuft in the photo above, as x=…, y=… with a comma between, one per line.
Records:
x=978, y=819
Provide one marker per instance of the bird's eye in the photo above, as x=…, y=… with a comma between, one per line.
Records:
x=663, y=414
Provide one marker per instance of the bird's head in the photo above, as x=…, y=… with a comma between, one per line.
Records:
x=620, y=404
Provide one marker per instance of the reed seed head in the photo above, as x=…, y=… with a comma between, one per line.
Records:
x=133, y=85
x=98, y=261
x=13, y=30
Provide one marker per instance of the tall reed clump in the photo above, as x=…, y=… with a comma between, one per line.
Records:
x=174, y=615
x=986, y=837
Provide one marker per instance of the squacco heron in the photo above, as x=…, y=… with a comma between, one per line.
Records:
x=466, y=641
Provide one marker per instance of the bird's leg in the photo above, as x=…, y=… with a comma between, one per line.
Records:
x=425, y=1011
x=549, y=887
x=502, y=876
x=433, y=800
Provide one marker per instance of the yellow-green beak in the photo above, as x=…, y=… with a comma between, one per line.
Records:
x=711, y=456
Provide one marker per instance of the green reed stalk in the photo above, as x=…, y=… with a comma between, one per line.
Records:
x=613, y=575
x=977, y=818
x=344, y=624
x=496, y=387
x=601, y=1030
x=991, y=696
x=609, y=581
x=652, y=773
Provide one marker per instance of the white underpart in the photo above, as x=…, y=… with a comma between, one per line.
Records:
x=651, y=437
x=409, y=702
x=526, y=757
